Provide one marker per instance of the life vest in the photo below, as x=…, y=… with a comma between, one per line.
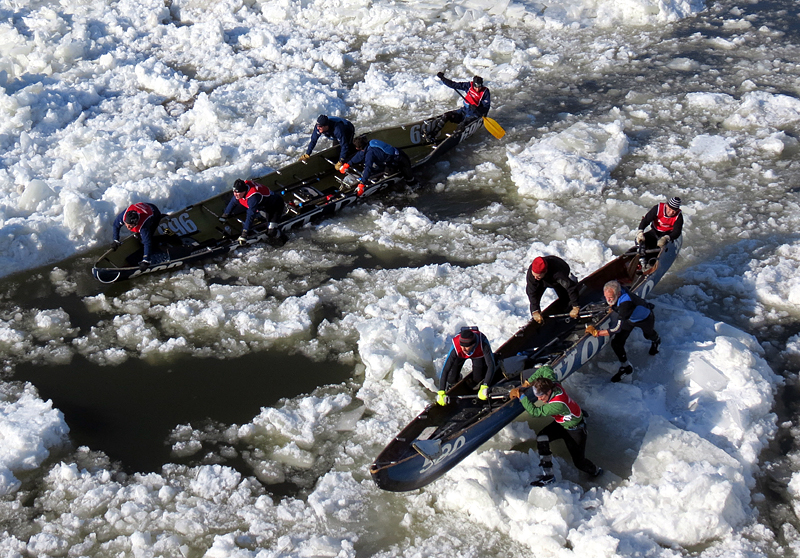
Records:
x=662, y=223
x=254, y=189
x=473, y=97
x=639, y=313
x=385, y=147
x=562, y=397
x=477, y=352
x=145, y=212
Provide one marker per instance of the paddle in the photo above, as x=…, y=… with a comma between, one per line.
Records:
x=491, y=125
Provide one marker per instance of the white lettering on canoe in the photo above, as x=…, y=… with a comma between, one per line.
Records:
x=447, y=450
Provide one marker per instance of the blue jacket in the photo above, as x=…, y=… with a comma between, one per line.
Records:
x=631, y=308
x=340, y=130
x=375, y=157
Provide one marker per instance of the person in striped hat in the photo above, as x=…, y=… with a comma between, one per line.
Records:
x=666, y=224
x=542, y=396
x=551, y=272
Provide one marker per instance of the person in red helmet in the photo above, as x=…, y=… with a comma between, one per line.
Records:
x=551, y=272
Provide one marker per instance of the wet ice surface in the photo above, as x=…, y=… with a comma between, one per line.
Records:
x=608, y=110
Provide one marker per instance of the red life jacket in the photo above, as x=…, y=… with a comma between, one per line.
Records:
x=477, y=352
x=562, y=397
x=254, y=189
x=662, y=223
x=144, y=211
x=473, y=97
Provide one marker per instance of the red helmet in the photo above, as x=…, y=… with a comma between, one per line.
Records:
x=539, y=265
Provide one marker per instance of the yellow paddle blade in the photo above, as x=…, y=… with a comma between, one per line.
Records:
x=493, y=127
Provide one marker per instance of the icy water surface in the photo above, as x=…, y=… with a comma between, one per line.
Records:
x=243, y=400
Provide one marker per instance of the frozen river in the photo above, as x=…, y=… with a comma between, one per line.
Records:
x=232, y=410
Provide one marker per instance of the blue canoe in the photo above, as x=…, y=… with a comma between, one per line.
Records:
x=441, y=436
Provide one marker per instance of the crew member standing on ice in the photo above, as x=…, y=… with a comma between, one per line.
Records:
x=569, y=422
x=378, y=156
x=469, y=344
x=553, y=272
x=666, y=223
x=142, y=219
x=631, y=311
x=337, y=129
x=257, y=199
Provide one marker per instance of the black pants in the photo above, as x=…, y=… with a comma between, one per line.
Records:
x=479, y=370
x=402, y=164
x=575, y=440
x=350, y=133
x=648, y=329
x=651, y=239
x=271, y=207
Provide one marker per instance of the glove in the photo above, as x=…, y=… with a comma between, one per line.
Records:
x=305, y=156
x=144, y=264
x=440, y=75
x=482, y=392
x=116, y=244
x=576, y=310
x=639, y=236
x=515, y=392
x=591, y=330
x=537, y=317
x=342, y=168
x=360, y=189
x=663, y=240
x=339, y=165
x=442, y=398
x=223, y=218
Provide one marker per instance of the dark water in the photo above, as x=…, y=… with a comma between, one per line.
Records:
x=128, y=411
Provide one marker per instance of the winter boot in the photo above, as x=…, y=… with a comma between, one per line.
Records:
x=654, y=345
x=545, y=461
x=544, y=480
x=624, y=370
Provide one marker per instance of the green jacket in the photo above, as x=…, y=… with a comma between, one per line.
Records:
x=564, y=410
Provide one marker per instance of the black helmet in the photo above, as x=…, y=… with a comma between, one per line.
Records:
x=239, y=186
x=323, y=120
x=131, y=218
x=477, y=81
